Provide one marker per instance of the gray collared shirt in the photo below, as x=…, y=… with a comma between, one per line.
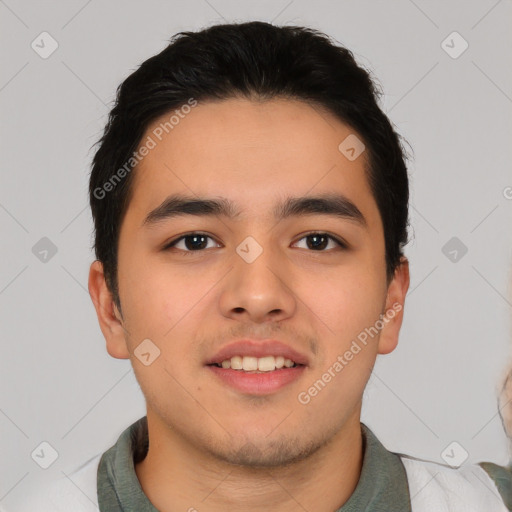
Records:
x=382, y=485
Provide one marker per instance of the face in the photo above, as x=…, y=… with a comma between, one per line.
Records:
x=312, y=278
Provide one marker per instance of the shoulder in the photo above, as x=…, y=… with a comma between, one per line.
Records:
x=470, y=488
x=75, y=492
x=502, y=477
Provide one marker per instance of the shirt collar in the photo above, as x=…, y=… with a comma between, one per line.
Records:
x=382, y=484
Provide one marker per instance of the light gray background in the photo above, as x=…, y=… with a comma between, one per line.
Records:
x=59, y=384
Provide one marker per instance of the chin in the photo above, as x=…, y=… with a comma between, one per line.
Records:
x=265, y=453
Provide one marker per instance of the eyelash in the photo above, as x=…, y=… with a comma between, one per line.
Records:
x=342, y=245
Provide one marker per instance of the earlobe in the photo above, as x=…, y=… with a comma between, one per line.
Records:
x=394, y=308
x=108, y=316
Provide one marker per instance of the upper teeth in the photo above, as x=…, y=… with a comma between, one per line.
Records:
x=263, y=364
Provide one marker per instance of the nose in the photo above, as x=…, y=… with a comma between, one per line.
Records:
x=258, y=290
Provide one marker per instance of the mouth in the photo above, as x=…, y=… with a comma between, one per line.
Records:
x=257, y=375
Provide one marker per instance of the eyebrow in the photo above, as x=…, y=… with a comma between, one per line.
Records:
x=336, y=205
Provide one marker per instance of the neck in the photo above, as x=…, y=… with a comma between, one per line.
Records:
x=176, y=476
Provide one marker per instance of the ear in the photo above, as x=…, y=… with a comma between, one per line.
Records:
x=394, y=309
x=109, y=318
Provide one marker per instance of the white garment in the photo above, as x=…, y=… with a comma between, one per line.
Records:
x=437, y=488
x=77, y=493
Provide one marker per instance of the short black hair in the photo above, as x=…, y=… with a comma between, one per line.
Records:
x=255, y=60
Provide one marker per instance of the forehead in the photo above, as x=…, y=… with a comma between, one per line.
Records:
x=251, y=152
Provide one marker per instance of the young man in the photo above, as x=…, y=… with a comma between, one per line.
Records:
x=250, y=202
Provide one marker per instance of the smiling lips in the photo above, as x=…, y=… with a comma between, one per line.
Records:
x=251, y=351
x=255, y=382
x=257, y=367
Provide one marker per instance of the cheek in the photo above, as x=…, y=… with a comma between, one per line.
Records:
x=349, y=308
x=347, y=301
x=153, y=290
x=165, y=304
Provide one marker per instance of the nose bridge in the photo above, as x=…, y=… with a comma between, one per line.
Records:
x=257, y=239
x=255, y=260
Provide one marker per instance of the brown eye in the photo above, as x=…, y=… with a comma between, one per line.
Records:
x=190, y=242
x=319, y=241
